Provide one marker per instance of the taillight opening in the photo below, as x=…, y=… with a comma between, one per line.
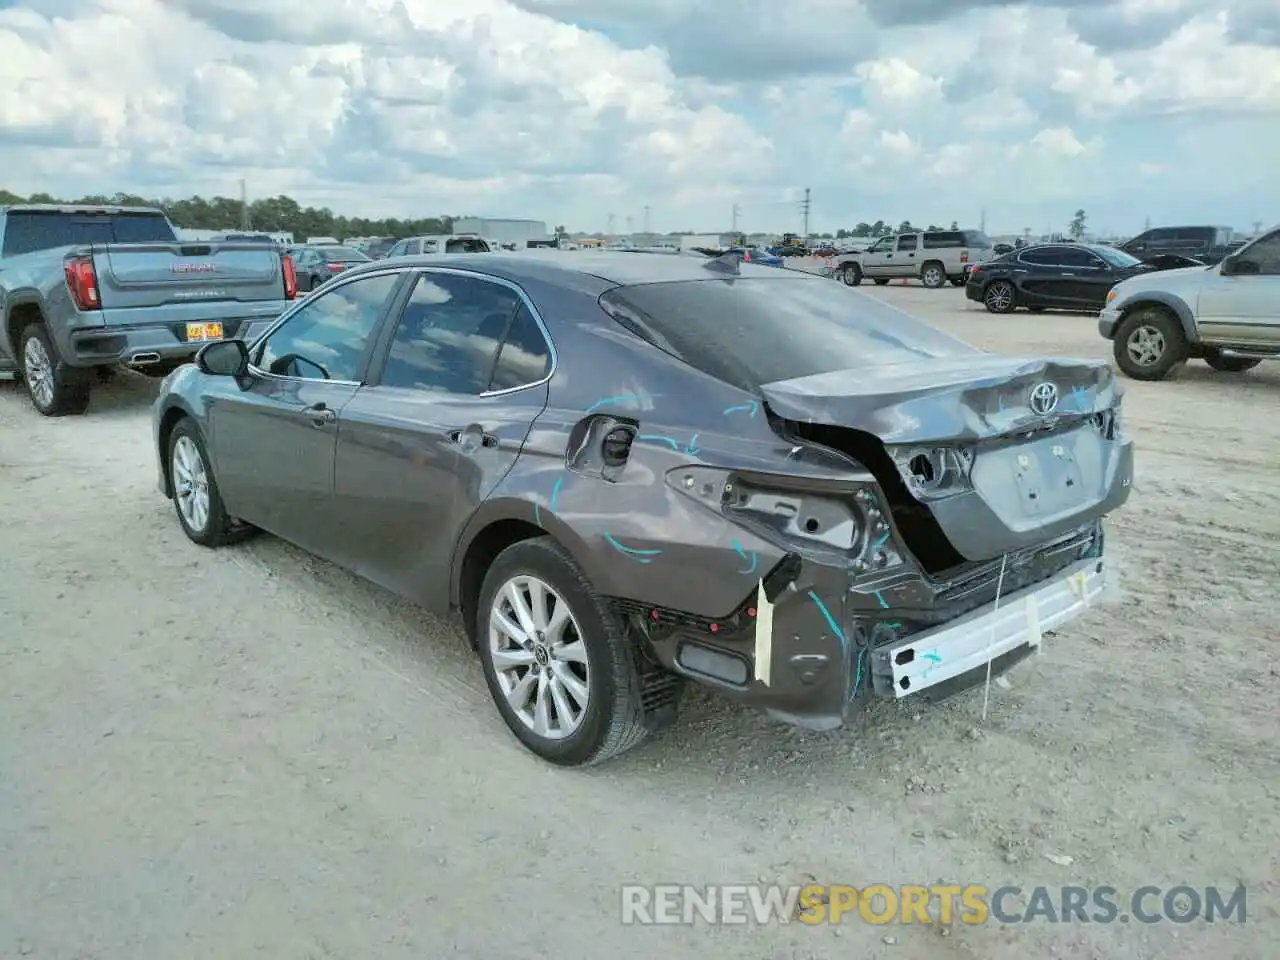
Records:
x=335, y=267
x=82, y=283
x=290, y=277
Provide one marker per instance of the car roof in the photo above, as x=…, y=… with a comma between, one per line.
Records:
x=1064, y=243
x=616, y=267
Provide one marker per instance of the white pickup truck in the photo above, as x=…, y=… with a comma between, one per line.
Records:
x=1227, y=314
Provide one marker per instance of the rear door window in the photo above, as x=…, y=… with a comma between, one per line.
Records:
x=1041, y=256
x=524, y=357
x=753, y=331
x=943, y=240
x=449, y=333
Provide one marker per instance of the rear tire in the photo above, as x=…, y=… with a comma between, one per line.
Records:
x=1150, y=344
x=1215, y=359
x=933, y=275
x=1000, y=297
x=56, y=389
x=851, y=274
x=579, y=652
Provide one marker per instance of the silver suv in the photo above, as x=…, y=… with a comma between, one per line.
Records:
x=441, y=243
x=933, y=256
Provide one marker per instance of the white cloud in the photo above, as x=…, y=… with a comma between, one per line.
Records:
x=504, y=107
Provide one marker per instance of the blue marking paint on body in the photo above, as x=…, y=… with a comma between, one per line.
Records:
x=658, y=438
x=555, y=493
x=753, y=406
x=692, y=447
x=635, y=553
x=1082, y=399
x=831, y=621
x=621, y=398
x=931, y=656
x=884, y=604
x=751, y=558
x=884, y=538
x=999, y=403
x=857, y=680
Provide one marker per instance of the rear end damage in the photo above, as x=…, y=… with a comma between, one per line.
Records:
x=920, y=563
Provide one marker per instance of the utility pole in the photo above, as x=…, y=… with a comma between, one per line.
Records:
x=646, y=218
x=1147, y=225
x=735, y=219
x=805, y=207
x=630, y=225
x=1257, y=227
x=982, y=221
x=244, y=206
x=613, y=225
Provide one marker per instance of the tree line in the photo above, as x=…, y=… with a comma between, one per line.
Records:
x=280, y=214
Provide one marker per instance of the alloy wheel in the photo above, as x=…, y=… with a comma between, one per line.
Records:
x=191, y=483
x=39, y=371
x=1146, y=345
x=538, y=657
x=1000, y=297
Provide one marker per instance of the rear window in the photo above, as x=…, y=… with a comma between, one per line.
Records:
x=26, y=231
x=341, y=254
x=753, y=331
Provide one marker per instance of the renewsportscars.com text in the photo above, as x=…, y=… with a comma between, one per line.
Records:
x=935, y=903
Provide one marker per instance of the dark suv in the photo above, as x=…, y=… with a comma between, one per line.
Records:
x=1162, y=246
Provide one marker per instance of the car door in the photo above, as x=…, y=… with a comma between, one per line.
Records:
x=461, y=377
x=274, y=435
x=1087, y=277
x=1043, y=278
x=874, y=259
x=904, y=261
x=1243, y=307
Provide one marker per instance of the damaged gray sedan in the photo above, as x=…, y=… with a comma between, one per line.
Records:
x=625, y=471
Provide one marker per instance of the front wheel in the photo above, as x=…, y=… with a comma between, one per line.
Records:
x=195, y=491
x=851, y=274
x=1001, y=297
x=560, y=667
x=1215, y=359
x=1150, y=344
x=56, y=390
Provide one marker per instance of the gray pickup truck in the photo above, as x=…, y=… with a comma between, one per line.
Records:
x=84, y=287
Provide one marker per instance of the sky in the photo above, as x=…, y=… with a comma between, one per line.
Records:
x=571, y=110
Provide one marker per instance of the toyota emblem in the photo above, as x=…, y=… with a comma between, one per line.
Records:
x=1044, y=398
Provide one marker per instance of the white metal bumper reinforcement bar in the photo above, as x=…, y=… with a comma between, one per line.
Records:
x=1017, y=623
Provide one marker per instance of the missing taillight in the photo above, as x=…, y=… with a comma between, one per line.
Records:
x=82, y=282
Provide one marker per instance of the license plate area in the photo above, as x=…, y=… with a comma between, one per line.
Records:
x=1045, y=478
x=203, y=332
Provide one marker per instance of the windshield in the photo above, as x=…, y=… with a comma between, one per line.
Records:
x=749, y=332
x=1117, y=258
x=26, y=231
x=341, y=254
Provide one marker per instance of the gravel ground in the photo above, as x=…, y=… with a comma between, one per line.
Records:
x=251, y=753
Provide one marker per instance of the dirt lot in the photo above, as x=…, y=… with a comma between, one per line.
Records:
x=250, y=753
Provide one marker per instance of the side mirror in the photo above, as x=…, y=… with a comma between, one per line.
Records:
x=224, y=358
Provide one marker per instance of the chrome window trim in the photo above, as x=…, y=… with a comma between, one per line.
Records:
x=297, y=308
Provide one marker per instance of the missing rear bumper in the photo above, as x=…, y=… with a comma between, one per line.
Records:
x=951, y=654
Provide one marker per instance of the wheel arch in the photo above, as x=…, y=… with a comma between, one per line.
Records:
x=1170, y=302
x=173, y=414
x=20, y=315
x=496, y=525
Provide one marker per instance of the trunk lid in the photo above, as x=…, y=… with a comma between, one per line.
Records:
x=944, y=399
x=1003, y=452
x=134, y=275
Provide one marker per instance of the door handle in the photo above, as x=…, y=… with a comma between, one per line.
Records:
x=319, y=414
